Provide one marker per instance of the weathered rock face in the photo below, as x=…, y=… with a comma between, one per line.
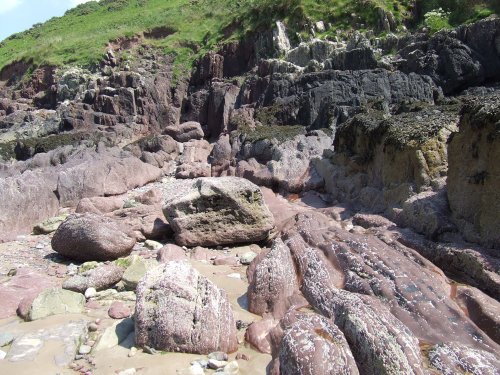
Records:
x=272, y=281
x=285, y=165
x=26, y=200
x=394, y=164
x=313, y=345
x=88, y=237
x=219, y=211
x=99, y=174
x=377, y=292
x=474, y=171
x=185, y=131
x=101, y=277
x=457, y=59
x=179, y=310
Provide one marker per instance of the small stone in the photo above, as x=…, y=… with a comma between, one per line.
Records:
x=39, y=246
x=2, y=354
x=91, y=343
x=242, y=356
x=79, y=356
x=218, y=356
x=85, y=349
x=6, y=338
x=215, y=364
x=232, y=368
x=132, y=352
x=196, y=369
x=234, y=276
x=90, y=292
x=149, y=350
x=129, y=371
x=202, y=362
x=118, y=310
x=247, y=258
x=153, y=245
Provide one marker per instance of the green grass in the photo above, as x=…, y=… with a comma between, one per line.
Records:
x=80, y=37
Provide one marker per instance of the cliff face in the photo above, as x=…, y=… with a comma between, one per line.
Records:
x=473, y=174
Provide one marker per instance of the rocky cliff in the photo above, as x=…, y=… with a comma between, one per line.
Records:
x=385, y=146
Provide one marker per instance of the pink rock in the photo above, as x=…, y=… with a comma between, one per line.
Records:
x=203, y=254
x=170, y=252
x=100, y=205
x=226, y=261
x=26, y=284
x=92, y=305
x=118, y=310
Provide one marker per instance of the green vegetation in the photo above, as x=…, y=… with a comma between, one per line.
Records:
x=281, y=133
x=187, y=29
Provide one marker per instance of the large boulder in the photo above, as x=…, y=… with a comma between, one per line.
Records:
x=218, y=211
x=179, y=310
x=474, y=171
x=86, y=237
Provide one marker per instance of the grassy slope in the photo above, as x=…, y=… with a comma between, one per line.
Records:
x=80, y=37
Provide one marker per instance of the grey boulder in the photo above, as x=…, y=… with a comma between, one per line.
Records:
x=218, y=211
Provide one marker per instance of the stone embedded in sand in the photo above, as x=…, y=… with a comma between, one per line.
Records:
x=101, y=277
x=56, y=301
x=170, y=252
x=118, y=310
x=181, y=311
x=314, y=345
x=218, y=211
x=88, y=236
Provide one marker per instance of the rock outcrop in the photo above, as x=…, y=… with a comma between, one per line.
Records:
x=218, y=211
x=87, y=237
x=181, y=311
x=474, y=171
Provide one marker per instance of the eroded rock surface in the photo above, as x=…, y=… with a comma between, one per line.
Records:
x=219, y=211
x=179, y=310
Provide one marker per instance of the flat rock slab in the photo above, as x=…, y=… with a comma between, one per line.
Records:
x=27, y=347
x=219, y=211
x=56, y=301
x=26, y=284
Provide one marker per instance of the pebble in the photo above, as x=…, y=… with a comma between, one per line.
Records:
x=152, y=245
x=2, y=354
x=129, y=371
x=202, y=362
x=218, y=356
x=39, y=246
x=232, y=368
x=6, y=338
x=85, y=349
x=91, y=343
x=90, y=292
x=196, y=370
x=93, y=327
x=118, y=310
x=149, y=350
x=242, y=356
x=215, y=364
x=132, y=352
x=247, y=258
x=234, y=276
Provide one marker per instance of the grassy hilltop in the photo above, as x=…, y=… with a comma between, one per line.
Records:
x=189, y=28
